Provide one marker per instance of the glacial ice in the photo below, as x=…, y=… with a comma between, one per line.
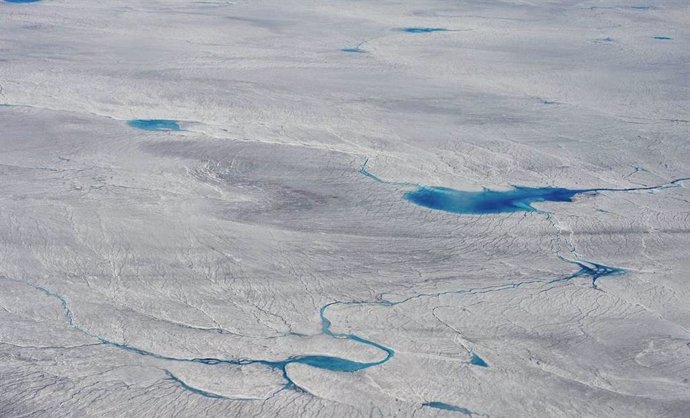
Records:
x=344, y=208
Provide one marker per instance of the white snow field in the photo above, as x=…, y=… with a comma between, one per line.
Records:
x=217, y=208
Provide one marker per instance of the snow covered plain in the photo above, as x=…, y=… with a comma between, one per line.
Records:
x=239, y=259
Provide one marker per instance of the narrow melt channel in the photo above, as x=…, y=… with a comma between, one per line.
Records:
x=415, y=29
x=448, y=407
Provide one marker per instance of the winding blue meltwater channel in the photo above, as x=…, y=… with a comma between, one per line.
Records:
x=325, y=362
x=487, y=201
x=155, y=124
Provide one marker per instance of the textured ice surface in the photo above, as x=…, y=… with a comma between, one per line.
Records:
x=245, y=262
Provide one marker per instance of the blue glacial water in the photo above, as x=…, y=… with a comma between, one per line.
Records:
x=423, y=30
x=448, y=407
x=478, y=361
x=22, y=1
x=487, y=201
x=663, y=38
x=592, y=270
x=517, y=199
x=155, y=124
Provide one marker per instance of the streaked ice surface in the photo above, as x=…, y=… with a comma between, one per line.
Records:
x=260, y=258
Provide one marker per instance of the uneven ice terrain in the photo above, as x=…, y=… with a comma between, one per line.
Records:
x=343, y=208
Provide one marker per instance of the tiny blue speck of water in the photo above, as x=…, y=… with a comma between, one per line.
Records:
x=155, y=124
x=22, y=1
x=354, y=50
x=663, y=38
x=423, y=30
x=478, y=361
x=447, y=407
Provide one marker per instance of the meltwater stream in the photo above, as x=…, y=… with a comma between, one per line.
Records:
x=448, y=407
x=325, y=362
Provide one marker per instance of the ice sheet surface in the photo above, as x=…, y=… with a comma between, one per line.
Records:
x=344, y=208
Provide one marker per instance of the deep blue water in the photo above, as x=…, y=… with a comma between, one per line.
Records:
x=519, y=199
x=487, y=201
x=448, y=407
x=423, y=30
x=21, y=1
x=478, y=361
x=155, y=124
x=663, y=38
